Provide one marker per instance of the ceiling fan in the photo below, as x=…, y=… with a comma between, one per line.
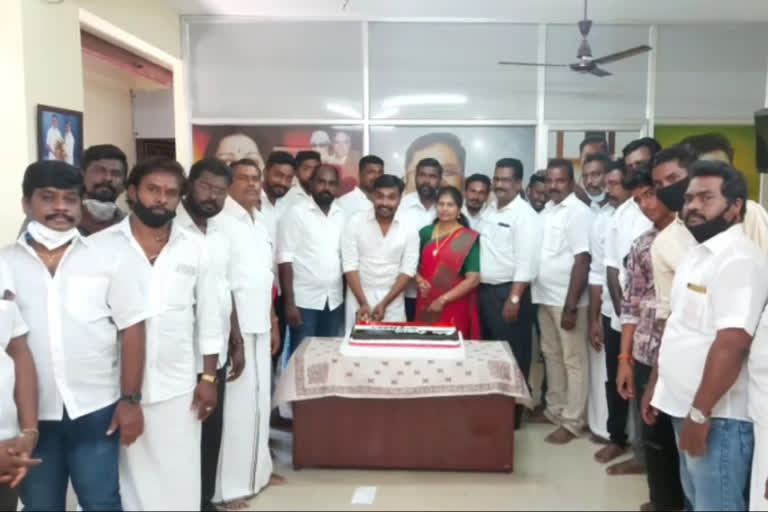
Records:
x=585, y=63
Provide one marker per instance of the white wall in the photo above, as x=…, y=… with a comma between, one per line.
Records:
x=108, y=116
x=153, y=114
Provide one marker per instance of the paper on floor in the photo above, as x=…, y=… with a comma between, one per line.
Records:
x=364, y=496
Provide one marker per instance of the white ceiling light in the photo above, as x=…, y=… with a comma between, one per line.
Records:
x=343, y=110
x=425, y=99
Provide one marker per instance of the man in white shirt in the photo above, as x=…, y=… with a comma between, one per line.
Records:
x=276, y=182
x=199, y=211
x=559, y=290
x=626, y=224
x=593, y=170
x=53, y=138
x=718, y=295
x=597, y=166
x=420, y=209
x=477, y=189
x=309, y=261
x=245, y=465
x=175, y=274
x=360, y=199
x=77, y=295
x=306, y=163
x=18, y=396
x=510, y=232
x=380, y=253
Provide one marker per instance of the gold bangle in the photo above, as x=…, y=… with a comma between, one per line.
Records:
x=208, y=378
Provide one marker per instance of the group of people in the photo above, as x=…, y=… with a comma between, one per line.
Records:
x=140, y=345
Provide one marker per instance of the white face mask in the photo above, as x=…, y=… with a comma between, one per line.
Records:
x=101, y=211
x=599, y=198
x=50, y=238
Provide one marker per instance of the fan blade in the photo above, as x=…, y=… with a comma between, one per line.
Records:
x=510, y=63
x=599, y=72
x=622, y=55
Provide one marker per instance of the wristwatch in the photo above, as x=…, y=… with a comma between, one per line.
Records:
x=131, y=398
x=208, y=378
x=514, y=299
x=566, y=309
x=697, y=416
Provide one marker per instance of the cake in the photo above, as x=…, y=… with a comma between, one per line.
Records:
x=404, y=340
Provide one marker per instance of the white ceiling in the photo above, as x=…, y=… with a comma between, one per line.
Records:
x=520, y=11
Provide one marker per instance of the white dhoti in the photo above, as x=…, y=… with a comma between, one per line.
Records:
x=757, y=499
x=161, y=470
x=597, y=404
x=394, y=313
x=245, y=464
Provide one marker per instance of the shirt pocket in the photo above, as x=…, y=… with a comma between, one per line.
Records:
x=554, y=240
x=86, y=297
x=694, y=309
x=181, y=288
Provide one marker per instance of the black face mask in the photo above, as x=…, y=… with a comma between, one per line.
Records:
x=151, y=218
x=705, y=231
x=673, y=196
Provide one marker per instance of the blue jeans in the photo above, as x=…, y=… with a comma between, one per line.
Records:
x=315, y=322
x=719, y=480
x=79, y=449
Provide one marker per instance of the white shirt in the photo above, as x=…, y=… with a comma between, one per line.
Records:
x=597, y=249
x=311, y=241
x=295, y=194
x=183, y=301
x=74, y=318
x=509, y=243
x=220, y=260
x=353, y=202
x=627, y=223
x=52, y=137
x=720, y=284
x=11, y=326
x=565, y=233
x=380, y=259
x=475, y=220
x=252, y=271
x=758, y=373
x=418, y=217
x=272, y=213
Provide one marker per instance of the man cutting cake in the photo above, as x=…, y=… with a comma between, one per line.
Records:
x=379, y=253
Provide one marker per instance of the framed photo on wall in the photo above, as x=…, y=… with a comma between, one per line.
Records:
x=59, y=134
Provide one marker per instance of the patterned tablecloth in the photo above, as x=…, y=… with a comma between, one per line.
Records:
x=317, y=369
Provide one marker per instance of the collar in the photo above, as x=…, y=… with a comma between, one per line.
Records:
x=724, y=240
x=124, y=227
x=236, y=210
x=331, y=211
x=565, y=203
x=512, y=204
x=412, y=199
x=184, y=219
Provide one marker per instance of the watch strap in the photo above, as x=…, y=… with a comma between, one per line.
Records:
x=134, y=398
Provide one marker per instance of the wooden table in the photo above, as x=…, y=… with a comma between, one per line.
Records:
x=397, y=414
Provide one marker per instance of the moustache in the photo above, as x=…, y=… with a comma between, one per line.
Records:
x=211, y=205
x=554, y=191
x=63, y=216
x=692, y=216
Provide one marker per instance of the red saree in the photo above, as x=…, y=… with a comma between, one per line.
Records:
x=442, y=269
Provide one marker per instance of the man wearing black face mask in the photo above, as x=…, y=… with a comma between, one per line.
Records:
x=185, y=336
x=718, y=294
x=309, y=261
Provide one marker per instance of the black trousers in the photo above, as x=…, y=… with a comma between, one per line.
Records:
x=279, y=305
x=9, y=498
x=410, y=309
x=519, y=335
x=210, y=445
x=661, y=457
x=618, y=408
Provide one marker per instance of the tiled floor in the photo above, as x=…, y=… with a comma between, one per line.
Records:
x=546, y=478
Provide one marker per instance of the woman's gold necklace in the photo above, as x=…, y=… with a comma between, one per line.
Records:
x=438, y=246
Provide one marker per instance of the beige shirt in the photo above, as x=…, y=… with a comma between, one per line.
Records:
x=673, y=243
